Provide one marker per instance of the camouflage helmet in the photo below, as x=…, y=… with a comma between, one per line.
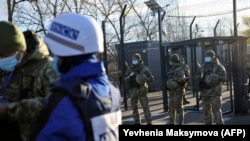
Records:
x=172, y=84
x=212, y=79
x=11, y=38
x=137, y=56
x=210, y=53
x=141, y=78
x=175, y=58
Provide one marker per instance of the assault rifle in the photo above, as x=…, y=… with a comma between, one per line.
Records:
x=202, y=83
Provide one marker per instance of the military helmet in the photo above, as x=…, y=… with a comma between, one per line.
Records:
x=172, y=84
x=175, y=58
x=212, y=79
x=141, y=78
x=210, y=53
x=137, y=56
x=11, y=38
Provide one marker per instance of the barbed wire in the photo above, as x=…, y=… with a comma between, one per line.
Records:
x=211, y=15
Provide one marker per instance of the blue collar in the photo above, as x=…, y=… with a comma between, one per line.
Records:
x=84, y=70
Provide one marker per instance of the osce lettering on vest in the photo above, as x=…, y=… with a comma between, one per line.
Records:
x=105, y=126
x=64, y=30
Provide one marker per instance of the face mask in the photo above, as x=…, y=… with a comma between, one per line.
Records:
x=135, y=62
x=208, y=59
x=55, y=66
x=8, y=64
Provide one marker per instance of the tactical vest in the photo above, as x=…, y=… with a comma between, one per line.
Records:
x=132, y=79
x=173, y=73
x=101, y=116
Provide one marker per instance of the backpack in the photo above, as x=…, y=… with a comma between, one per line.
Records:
x=187, y=74
x=93, y=109
x=186, y=69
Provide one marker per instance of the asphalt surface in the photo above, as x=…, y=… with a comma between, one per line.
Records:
x=193, y=115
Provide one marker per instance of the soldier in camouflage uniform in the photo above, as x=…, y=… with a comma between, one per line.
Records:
x=139, y=89
x=213, y=73
x=26, y=76
x=175, y=84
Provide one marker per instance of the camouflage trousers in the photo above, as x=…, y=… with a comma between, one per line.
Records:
x=176, y=111
x=140, y=95
x=212, y=110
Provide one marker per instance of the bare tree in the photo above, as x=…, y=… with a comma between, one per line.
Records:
x=175, y=26
x=246, y=22
x=11, y=5
x=225, y=28
x=36, y=15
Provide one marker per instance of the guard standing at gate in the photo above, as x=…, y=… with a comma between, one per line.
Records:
x=213, y=73
x=176, y=80
x=138, y=76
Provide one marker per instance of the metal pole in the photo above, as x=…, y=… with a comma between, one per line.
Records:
x=195, y=83
x=215, y=34
x=123, y=58
x=105, y=58
x=230, y=76
x=190, y=28
x=162, y=17
x=192, y=56
x=163, y=65
x=235, y=18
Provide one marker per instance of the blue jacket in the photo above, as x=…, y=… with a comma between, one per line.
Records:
x=65, y=123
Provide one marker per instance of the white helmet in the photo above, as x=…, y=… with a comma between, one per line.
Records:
x=74, y=34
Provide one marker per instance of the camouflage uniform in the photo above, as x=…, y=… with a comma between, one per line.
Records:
x=139, y=92
x=29, y=85
x=211, y=92
x=177, y=73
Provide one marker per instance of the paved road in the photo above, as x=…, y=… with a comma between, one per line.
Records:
x=192, y=116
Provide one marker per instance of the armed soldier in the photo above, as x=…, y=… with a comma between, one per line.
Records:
x=138, y=76
x=213, y=73
x=175, y=84
x=26, y=76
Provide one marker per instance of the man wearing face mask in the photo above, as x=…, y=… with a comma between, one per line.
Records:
x=26, y=76
x=175, y=84
x=139, y=75
x=213, y=73
x=86, y=102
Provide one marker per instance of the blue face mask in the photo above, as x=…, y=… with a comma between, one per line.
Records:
x=55, y=66
x=8, y=64
x=208, y=59
x=135, y=62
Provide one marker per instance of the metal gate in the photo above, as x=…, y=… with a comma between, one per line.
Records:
x=231, y=51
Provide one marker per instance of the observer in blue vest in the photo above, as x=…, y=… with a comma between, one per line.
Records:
x=84, y=105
